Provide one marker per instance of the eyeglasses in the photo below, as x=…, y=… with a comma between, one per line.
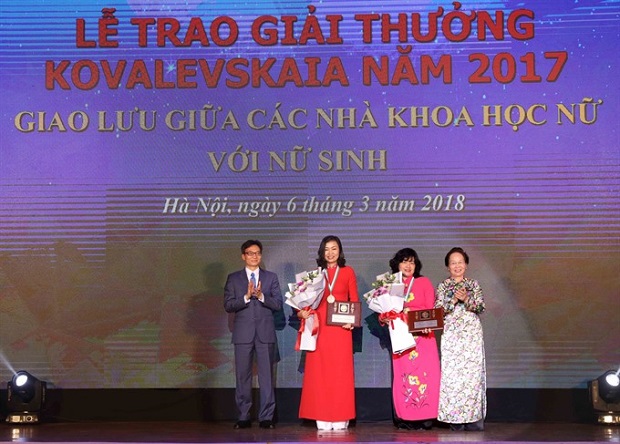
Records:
x=253, y=253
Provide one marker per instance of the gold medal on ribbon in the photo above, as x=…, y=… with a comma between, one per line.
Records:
x=331, y=299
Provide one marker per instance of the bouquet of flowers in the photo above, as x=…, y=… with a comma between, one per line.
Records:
x=388, y=298
x=306, y=294
x=388, y=293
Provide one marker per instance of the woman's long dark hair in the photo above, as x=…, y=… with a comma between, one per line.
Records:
x=320, y=260
x=404, y=254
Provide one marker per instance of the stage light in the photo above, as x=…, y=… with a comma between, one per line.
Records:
x=605, y=397
x=26, y=396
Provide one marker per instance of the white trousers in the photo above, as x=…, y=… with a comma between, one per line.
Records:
x=326, y=425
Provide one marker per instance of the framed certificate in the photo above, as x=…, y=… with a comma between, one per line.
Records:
x=344, y=312
x=418, y=320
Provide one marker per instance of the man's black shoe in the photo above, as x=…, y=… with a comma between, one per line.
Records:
x=246, y=424
x=267, y=424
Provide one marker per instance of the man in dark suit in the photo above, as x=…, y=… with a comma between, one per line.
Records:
x=253, y=295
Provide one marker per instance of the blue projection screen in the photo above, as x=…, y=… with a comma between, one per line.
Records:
x=141, y=144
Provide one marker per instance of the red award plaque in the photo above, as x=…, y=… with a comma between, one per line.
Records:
x=344, y=312
x=418, y=320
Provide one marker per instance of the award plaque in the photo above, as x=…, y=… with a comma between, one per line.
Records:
x=344, y=312
x=418, y=320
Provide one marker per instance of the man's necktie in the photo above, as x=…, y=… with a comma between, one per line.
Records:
x=253, y=279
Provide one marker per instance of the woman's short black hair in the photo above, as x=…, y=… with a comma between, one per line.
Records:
x=404, y=254
x=456, y=250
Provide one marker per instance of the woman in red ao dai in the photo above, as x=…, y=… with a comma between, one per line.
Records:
x=328, y=388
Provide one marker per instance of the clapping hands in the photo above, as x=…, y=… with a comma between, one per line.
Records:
x=254, y=291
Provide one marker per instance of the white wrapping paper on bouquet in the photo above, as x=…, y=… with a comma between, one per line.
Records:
x=400, y=337
x=306, y=337
x=388, y=299
x=306, y=294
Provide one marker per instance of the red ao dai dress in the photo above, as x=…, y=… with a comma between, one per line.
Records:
x=328, y=388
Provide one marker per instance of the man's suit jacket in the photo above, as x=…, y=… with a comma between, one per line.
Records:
x=255, y=318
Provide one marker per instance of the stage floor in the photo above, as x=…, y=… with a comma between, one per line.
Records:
x=223, y=432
